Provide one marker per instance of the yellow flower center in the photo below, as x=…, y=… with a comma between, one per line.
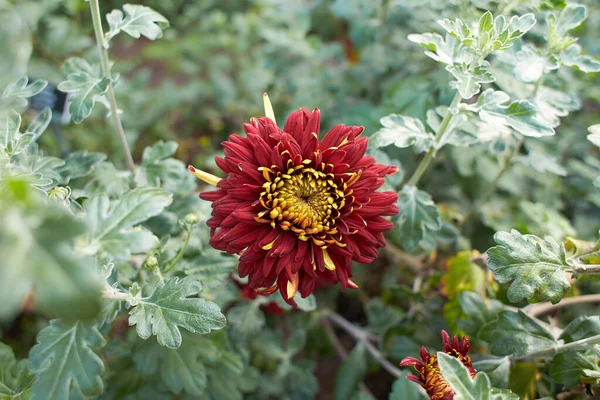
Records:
x=304, y=200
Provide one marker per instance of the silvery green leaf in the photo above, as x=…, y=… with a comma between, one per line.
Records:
x=516, y=334
x=15, y=95
x=64, y=357
x=459, y=379
x=486, y=23
x=469, y=82
x=553, y=104
x=539, y=218
x=418, y=216
x=570, y=18
x=594, y=135
x=503, y=394
x=112, y=224
x=460, y=132
x=458, y=29
x=507, y=33
x=529, y=64
x=137, y=21
x=12, y=141
x=159, y=170
x=542, y=163
x=519, y=115
x=40, y=123
x=108, y=180
x=246, y=318
x=581, y=328
x=79, y=164
x=402, y=131
x=572, y=57
x=536, y=267
x=446, y=50
x=171, y=306
x=86, y=85
x=497, y=369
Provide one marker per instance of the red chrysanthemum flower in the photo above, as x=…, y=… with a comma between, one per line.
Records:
x=430, y=376
x=299, y=210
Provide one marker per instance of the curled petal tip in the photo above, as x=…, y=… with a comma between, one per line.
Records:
x=204, y=176
x=352, y=285
x=269, y=113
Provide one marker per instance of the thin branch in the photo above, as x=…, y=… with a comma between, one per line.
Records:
x=360, y=336
x=114, y=109
x=176, y=259
x=581, y=268
x=341, y=352
x=551, y=351
x=544, y=308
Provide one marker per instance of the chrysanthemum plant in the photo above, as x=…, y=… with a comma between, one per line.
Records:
x=148, y=296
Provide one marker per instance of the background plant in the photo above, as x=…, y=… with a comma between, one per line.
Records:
x=105, y=261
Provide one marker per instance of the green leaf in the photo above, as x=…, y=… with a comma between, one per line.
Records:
x=382, y=316
x=402, y=131
x=519, y=115
x=138, y=20
x=594, y=135
x=112, y=224
x=503, y=394
x=15, y=377
x=497, y=369
x=477, y=311
x=171, y=306
x=15, y=95
x=180, y=369
x=570, y=366
x=403, y=389
x=469, y=82
x=40, y=123
x=12, y=142
x=418, y=216
x=581, y=328
x=535, y=267
x=570, y=18
x=246, y=318
x=459, y=30
x=516, y=333
x=37, y=254
x=572, y=57
x=159, y=170
x=86, y=85
x=486, y=23
x=107, y=180
x=457, y=376
x=80, y=164
x=64, y=357
x=542, y=163
x=350, y=373
x=462, y=274
x=540, y=218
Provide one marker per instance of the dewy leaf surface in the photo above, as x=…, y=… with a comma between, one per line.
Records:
x=64, y=356
x=170, y=307
x=536, y=267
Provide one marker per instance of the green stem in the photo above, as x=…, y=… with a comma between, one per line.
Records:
x=114, y=110
x=551, y=351
x=581, y=268
x=416, y=177
x=114, y=294
x=175, y=260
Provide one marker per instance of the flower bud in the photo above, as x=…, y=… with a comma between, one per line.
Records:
x=191, y=219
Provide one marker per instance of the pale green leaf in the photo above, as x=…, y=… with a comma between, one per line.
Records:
x=418, y=216
x=80, y=164
x=159, y=170
x=516, y=333
x=171, y=306
x=446, y=50
x=497, y=369
x=570, y=18
x=542, y=163
x=457, y=376
x=469, y=82
x=107, y=180
x=36, y=246
x=539, y=218
x=536, y=267
x=569, y=367
x=137, y=21
x=12, y=142
x=64, y=357
x=15, y=95
x=402, y=131
x=486, y=23
x=86, y=85
x=594, y=135
x=246, y=318
x=477, y=311
x=382, y=316
x=40, y=123
x=503, y=394
x=572, y=57
x=112, y=224
x=519, y=115
x=15, y=377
